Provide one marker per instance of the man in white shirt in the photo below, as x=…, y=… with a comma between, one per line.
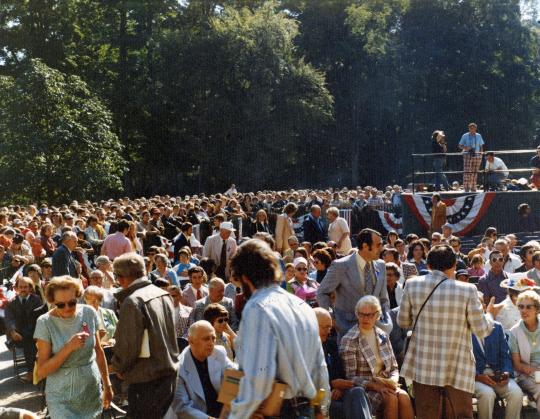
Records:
x=221, y=247
x=339, y=231
x=496, y=172
x=511, y=261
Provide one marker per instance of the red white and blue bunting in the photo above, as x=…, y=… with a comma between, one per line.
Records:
x=462, y=213
x=390, y=222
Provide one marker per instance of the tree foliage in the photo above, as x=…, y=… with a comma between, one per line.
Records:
x=283, y=93
x=56, y=139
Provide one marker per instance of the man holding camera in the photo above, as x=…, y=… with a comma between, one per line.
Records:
x=493, y=375
x=472, y=145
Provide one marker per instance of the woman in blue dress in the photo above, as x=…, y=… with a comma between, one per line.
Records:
x=70, y=356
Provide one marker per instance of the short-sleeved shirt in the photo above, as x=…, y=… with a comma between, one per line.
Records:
x=531, y=337
x=474, y=141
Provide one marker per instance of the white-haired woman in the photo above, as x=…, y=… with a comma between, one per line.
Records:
x=339, y=231
x=525, y=344
x=107, y=320
x=370, y=363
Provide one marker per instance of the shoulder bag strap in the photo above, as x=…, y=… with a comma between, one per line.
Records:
x=422, y=307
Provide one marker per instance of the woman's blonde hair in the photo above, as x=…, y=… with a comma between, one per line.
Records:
x=62, y=283
x=530, y=295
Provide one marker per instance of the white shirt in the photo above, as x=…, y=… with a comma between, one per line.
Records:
x=510, y=266
x=336, y=229
x=509, y=315
x=497, y=164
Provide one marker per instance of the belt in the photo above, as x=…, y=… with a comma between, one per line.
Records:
x=297, y=402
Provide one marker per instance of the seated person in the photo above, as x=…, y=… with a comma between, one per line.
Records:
x=21, y=321
x=93, y=296
x=216, y=294
x=378, y=375
x=494, y=375
x=218, y=317
x=348, y=401
x=183, y=266
x=523, y=341
x=163, y=271
x=496, y=172
x=201, y=370
x=302, y=286
x=509, y=315
x=97, y=278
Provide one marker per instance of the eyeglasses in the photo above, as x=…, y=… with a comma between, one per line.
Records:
x=526, y=306
x=70, y=304
x=223, y=320
x=301, y=269
x=368, y=315
x=497, y=259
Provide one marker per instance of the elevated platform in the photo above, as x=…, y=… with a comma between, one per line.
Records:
x=469, y=213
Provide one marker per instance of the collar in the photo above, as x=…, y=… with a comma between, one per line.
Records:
x=134, y=286
x=361, y=262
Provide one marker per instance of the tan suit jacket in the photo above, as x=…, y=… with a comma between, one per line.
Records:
x=284, y=230
x=438, y=217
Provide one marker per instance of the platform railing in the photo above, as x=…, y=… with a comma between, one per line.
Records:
x=420, y=161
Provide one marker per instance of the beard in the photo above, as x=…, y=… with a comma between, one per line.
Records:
x=246, y=290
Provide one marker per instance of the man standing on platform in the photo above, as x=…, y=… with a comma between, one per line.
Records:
x=472, y=145
x=438, y=213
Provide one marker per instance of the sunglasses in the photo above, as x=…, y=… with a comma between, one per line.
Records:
x=223, y=320
x=301, y=269
x=497, y=259
x=526, y=306
x=70, y=304
x=368, y=315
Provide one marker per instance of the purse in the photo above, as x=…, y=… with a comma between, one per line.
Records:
x=409, y=335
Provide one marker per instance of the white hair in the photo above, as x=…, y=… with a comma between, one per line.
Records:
x=215, y=281
x=333, y=210
x=368, y=300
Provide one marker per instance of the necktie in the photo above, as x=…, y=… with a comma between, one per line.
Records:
x=369, y=281
x=223, y=257
x=199, y=294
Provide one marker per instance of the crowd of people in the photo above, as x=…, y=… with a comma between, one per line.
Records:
x=123, y=298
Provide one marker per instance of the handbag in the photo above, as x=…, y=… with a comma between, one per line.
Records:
x=409, y=335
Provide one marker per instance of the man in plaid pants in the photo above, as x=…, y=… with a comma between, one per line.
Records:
x=472, y=145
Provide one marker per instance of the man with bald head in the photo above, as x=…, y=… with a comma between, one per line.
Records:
x=63, y=261
x=348, y=401
x=202, y=366
x=313, y=228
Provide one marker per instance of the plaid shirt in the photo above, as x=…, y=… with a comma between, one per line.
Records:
x=440, y=352
x=360, y=361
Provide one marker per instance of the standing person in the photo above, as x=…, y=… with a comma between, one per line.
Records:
x=439, y=147
x=472, y=145
x=439, y=361
x=352, y=277
x=63, y=260
x=438, y=214
x=279, y=328
x=313, y=228
x=152, y=378
x=220, y=248
x=284, y=227
x=339, y=231
x=117, y=243
x=70, y=355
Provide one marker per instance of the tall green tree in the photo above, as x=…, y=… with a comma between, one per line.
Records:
x=56, y=139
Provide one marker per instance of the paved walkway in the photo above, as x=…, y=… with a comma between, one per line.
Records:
x=15, y=392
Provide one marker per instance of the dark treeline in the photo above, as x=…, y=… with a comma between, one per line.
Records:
x=99, y=97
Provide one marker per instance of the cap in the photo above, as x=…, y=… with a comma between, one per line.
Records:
x=462, y=272
x=227, y=225
x=300, y=260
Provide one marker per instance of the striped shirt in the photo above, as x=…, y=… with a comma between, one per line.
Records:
x=278, y=340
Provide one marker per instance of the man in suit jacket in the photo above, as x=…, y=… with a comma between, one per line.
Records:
x=438, y=213
x=63, y=261
x=182, y=239
x=202, y=366
x=284, y=227
x=215, y=250
x=534, y=273
x=352, y=277
x=439, y=359
x=216, y=292
x=21, y=321
x=195, y=290
x=313, y=228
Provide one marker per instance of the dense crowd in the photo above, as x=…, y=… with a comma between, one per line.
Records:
x=158, y=299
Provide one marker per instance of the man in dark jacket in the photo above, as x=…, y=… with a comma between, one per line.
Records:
x=146, y=352
x=63, y=260
x=313, y=228
x=21, y=321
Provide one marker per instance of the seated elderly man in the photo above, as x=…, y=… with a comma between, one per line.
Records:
x=494, y=373
x=348, y=401
x=104, y=265
x=202, y=366
x=216, y=292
